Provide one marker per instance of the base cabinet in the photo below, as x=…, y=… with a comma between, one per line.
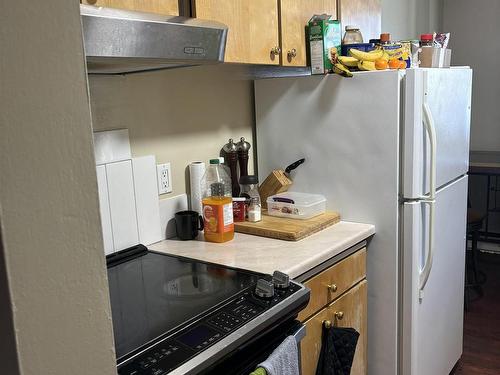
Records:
x=348, y=310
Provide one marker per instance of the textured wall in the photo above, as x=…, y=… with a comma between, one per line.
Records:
x=407, y=19
x=179, y=115
x=51, y=236
x=481, y=51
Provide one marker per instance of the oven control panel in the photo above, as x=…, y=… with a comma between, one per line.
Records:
x=179, y=348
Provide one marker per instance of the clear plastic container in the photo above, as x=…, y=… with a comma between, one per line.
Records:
x=296, y=205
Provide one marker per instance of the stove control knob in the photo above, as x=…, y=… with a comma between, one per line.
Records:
x=281, y=280
x=264, y=289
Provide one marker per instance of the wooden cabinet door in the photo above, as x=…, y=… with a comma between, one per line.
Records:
x=170, y=7
x=253, y=28
x=366, y=14
x=334, y=281
x=294, y=17
x=353, y=305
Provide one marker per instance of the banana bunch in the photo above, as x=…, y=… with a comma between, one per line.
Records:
x=363, y=60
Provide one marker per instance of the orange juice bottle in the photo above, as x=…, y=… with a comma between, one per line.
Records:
x=217, y=204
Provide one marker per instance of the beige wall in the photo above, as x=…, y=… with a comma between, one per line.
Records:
x=179, y=115
x=51, y=236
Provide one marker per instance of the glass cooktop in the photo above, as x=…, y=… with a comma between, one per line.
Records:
x=153, y=293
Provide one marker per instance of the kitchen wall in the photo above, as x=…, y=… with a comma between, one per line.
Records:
x=475, y=31
x=179, y=115
x=53, y=294
x=407, y=19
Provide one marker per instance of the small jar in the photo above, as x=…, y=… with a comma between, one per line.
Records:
x=426, y=40
x=239, y=209
x=352, y=35
x=254, y=210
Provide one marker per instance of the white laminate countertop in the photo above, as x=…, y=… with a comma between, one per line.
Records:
x=266, y=255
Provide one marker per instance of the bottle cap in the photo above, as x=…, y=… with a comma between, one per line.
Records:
x=249, y=180
x=385, y=37
x=214, y=161
x=351, y=28
x=426, y=37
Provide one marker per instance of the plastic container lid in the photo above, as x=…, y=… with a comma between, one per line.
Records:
x=249, y=180
x=426, y=37
x=351, y=28
x=214, y=161
x=301, y=199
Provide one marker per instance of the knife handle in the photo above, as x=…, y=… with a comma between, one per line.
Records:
x=294, y=165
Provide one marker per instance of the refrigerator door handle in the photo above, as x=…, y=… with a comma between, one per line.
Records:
x=431, y=197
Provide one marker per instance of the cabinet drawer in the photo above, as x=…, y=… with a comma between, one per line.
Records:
x=332, y=282
x=353, y=305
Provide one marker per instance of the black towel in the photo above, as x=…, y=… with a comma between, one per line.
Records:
x=338, y=346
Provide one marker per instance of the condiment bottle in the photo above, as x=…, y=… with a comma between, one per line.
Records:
x=217, y=205
x=231, y=158
x=426, y=40
x=254, y=210
x=385, y=38
x=243, y=148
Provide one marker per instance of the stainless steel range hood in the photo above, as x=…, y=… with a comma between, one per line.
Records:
x=120, y=41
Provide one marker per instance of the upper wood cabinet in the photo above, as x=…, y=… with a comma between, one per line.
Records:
x=170, y=7
x=253, y=28
x=295, y=15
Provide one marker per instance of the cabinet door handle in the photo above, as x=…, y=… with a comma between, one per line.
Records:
x=292, y=53
x=332, y=288
x=275, y=51
x=339, y=315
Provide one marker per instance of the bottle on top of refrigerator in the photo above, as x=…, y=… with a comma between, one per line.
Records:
x=217, y=204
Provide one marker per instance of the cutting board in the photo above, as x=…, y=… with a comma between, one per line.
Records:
x=287, y=229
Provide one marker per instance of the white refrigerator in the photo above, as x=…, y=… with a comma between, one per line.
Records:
x=389, y=148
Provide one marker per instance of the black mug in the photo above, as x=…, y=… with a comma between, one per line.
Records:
x=187, y=224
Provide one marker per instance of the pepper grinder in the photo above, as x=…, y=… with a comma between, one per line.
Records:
x=231, y=159
x=243, y=148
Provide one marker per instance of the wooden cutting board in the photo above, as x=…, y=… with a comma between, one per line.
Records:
x=287, y=229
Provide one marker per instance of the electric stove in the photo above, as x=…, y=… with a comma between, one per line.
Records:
x=183, y=316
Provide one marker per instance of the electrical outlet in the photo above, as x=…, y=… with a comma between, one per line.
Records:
x=164, y=178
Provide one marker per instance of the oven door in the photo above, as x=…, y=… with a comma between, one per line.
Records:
x=245, y=359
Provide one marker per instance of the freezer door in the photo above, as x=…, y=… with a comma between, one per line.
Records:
x=432, y=320
x=448, y=95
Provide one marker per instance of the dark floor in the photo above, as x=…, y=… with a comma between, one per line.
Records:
x=481, y=354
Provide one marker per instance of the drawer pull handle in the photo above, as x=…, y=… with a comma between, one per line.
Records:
x=332, y=288
x=327, y=324
x=339, y=315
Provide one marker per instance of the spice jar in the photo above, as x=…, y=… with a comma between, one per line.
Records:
x=254, y=210
x=239, y=209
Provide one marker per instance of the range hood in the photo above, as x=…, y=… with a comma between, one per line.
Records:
x=120, y=41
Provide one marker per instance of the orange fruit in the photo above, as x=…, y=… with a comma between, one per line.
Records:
x=394, y=64
x=381, y=64
x=402, y=64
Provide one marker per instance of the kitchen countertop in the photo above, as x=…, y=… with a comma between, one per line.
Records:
x=266, y=255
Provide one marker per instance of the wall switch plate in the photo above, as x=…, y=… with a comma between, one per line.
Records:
x=164, y=174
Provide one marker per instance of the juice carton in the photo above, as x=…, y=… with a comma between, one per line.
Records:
x=325, y=38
